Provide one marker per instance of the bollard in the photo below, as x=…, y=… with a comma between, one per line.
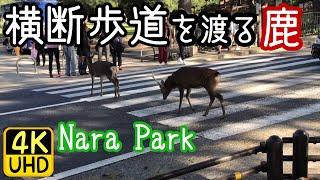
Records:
x=300, y=154
x=274, y=147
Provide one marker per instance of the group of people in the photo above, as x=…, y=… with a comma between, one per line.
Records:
x=81, y=52
x=163, y=55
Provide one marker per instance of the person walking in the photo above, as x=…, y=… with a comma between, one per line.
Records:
x=70, y=60
x=103, y=49
x=116, y=49
x=163, y=50
x=83, y=51
x=34, y=52
x=53, y=50
x=41, y=51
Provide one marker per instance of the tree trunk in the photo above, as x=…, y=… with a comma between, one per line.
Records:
x=186, y=5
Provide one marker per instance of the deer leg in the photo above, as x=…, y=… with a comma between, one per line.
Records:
x=209, y=107
x=117, y=85
x=188, y=98
x=220, y=98
x=101, y=80
x=181, y=97
x=92, y=82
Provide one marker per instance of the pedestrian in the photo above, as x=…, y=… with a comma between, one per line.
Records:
x=25, y=49
x=182, y=53
x=53, y=50
x=34, y=51
x=70, y=60
x=83, y=50
x=163, y=50
x=41, y=51
x=116, y=48
x=103, y=49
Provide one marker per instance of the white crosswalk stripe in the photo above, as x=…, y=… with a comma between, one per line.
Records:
x=258, y=87
x=131, y=77
x=143, y=83
x=78, y=82
x=261, y=79
x=146, y=99
x=256, y=123
x=271, y=99
x=251, y=71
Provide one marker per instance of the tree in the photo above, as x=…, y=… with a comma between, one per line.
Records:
x=90, y=5
x=2, y=2
x=186, y=5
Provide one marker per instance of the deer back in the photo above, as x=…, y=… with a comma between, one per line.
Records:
x=195, y=77
x=101, y=68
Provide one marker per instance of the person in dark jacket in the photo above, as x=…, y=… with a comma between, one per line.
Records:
x=116, y=49
x=83, y=51
x=41, y=51
x=163, y=50
x=53, y=50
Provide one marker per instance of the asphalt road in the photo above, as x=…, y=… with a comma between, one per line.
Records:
x=264, y=95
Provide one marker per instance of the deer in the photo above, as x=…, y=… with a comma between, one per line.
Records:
x=103, y=69
x=192, y=77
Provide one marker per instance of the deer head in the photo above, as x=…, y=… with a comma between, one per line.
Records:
x=165, y=86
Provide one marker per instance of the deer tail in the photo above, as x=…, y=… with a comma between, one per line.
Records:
x=217, y=77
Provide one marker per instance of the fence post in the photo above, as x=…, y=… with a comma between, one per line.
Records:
x=300, y=154
x=274, y=147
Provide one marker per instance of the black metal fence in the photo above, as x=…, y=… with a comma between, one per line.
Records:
x=311, y=23
x=273, y=165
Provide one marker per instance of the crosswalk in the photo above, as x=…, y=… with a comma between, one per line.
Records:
x=247, y=84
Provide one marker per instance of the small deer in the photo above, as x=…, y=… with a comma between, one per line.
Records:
x=103, y=69
x=192, y=77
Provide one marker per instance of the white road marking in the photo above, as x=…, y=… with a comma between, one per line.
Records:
x=146, y=99
x=270, y=68
x=95, y=165
x=235, y=68
x=259, y=122
x=223, y=64
x=109, y=89
x=85, y=81
x=125, y=93
x=213, y=134
x=257, y=88
x=242, y=106
x=142, y=90
x=40, y=107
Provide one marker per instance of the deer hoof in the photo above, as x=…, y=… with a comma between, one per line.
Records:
x=205, y=114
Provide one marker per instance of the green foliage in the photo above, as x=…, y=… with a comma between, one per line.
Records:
x=171, y=4
x=89, y=5
x=5, y=2
x=126, y=4
x=1, y=29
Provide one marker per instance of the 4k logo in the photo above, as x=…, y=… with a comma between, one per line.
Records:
x=28, y=151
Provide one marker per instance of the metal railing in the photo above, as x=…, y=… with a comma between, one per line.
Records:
x=311, y=23
x=273, y=165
